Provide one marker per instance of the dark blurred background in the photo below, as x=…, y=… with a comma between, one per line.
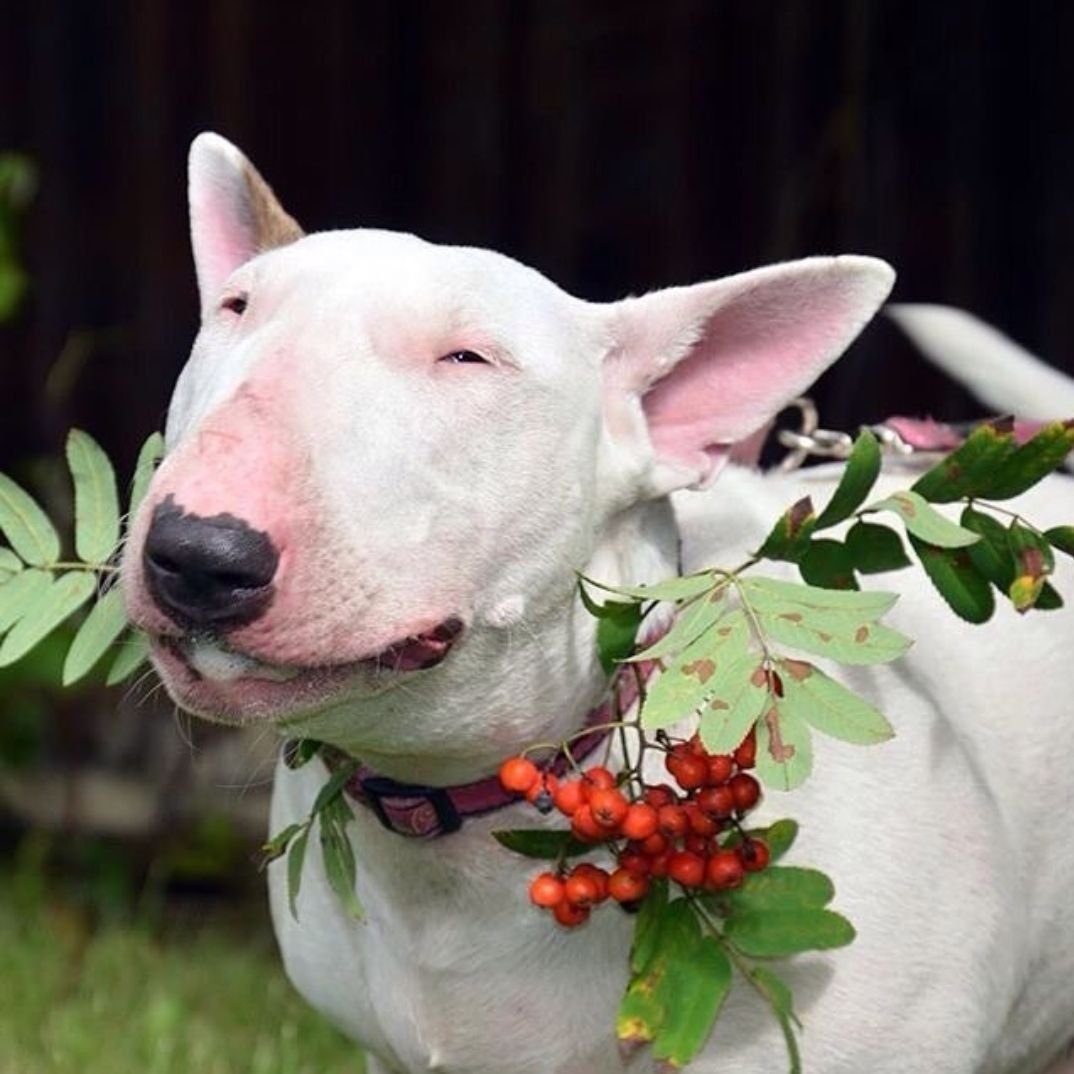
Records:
x=615, y=145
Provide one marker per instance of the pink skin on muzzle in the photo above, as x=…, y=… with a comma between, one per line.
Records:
x=244, y=460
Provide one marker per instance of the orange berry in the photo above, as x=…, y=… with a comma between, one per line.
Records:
x=581, y=890
x=518, y=774
x=697, y=747
x=584, y=825
x=717, y=801
x=541, y=794
x=596, y=874
x=724, y=870
x=547, y=890
x=640, y=821
x=634, y=861
x=673, y=820
x=568, y=796
x=754, y=855
x=721, y=768
x=746, y=754
x=700, y=823
x=608, y=806
x=746, y=791
x=597, y=778
x=569, y=915
x=695, y=843
x=687, y=868
x=660, y=795
x=690, y=770
x=658, y=866
x=655, y=844
x=625, y=886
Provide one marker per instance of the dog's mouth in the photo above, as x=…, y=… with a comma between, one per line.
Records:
x=212, y=678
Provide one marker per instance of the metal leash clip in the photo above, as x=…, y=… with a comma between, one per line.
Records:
x=809, y=440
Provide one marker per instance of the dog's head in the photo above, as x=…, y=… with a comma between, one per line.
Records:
x=383, y=452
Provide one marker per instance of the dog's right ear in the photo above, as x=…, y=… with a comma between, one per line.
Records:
x=233, y=213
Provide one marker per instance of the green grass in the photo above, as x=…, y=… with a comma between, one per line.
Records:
x=201, y=999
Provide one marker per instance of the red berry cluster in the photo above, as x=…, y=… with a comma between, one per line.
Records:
x=655, y=831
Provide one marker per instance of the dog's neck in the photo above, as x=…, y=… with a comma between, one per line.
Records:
x=505, y=688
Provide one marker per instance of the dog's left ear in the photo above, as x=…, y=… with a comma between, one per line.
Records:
x=233, y=213
x=693, y=370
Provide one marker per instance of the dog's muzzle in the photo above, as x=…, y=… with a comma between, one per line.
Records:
x=208, y=572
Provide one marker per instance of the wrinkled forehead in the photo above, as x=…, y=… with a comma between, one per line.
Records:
x=396, y=290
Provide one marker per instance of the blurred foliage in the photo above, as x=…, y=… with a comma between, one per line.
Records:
x=18, y=183
x=28, y=691
x=201, y=993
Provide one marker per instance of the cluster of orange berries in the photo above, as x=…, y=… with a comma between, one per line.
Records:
x=660, y=831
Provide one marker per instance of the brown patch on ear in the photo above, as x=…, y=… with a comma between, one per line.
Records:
x=273, y=226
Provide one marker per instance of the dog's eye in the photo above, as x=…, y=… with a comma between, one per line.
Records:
x=235, y=304
x=458, y=357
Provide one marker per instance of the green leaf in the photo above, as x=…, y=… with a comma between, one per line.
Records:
x=715, y=663
x=1032, y=462
x=152, y=451
x=967, y=469
x=730, y=712
x=859, y=476
x=277, y=846
x=697, y=984
x=782, y=887
x=1024, y=592
x=774, y=595
x=1048, y=600
x=540, y=843
x=97, y=634
x=333, y=788
x=133, y=652
x=874, y=548
x=674, y=1000
x=298, y=752
x=779, y=837
x=768, y=933
x=925, y=522
x=828, y=564
x=692, y=620
x=26, y=526
x=296, y=858
x=10, y=564
x=601, y=611
x=784, y=749
x=21, y=594
x=957, y=580
x=340, y=867
x=96, y=500
x=616, y=635
x=647, y=926
x=848, y=642
x=689, y=585
x=991, y=555
x=789, y=538
x=1061, y=537
x=64, y=596
x=830, y=707
x=782, y=1003
x=1032, y=553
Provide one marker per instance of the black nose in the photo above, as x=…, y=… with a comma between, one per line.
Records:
x=214, y=571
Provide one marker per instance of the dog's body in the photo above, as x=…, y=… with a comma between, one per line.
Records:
x=437, y=513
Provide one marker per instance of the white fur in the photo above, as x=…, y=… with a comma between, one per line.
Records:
x=478, y=490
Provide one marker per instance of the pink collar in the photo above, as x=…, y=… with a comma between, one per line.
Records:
x=427, y=812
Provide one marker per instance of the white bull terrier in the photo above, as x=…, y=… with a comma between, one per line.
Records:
x=387, y=460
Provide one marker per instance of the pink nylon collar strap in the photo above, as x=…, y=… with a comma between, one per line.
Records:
x=422, y=812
